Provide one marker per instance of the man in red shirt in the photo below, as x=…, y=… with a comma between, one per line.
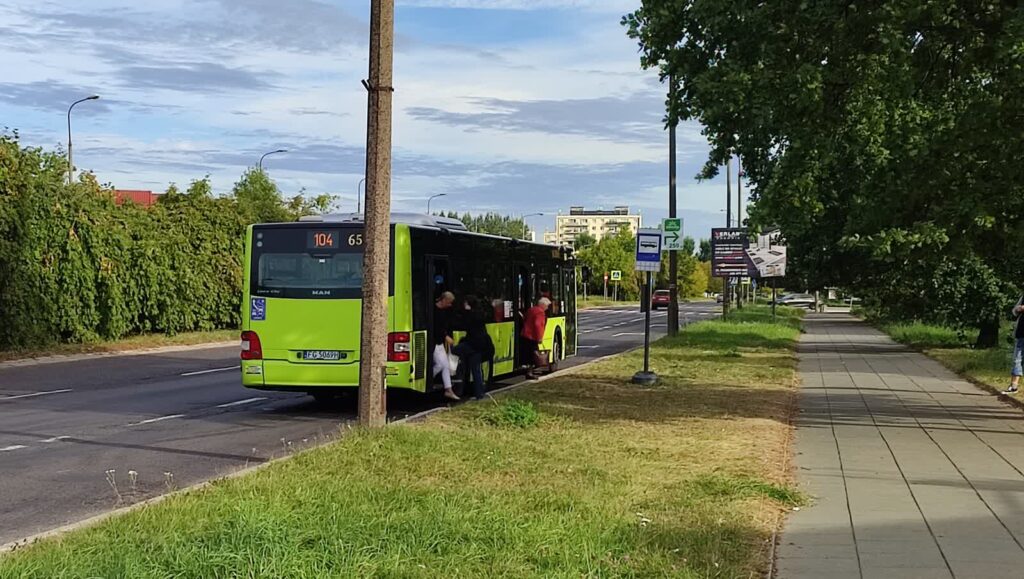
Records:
x=534, y=324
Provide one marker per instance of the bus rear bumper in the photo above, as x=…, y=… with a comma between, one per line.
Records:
x=287, y=376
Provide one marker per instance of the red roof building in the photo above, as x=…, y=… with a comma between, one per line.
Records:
x=137, y=196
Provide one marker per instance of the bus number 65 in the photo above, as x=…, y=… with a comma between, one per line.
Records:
x=355, y=239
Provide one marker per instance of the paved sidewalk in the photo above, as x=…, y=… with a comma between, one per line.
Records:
x=914, y=471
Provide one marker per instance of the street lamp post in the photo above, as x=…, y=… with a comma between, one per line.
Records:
x=431, y=198
x=359, y=196
x=71, y=162
x=270, y=153
x=526, y=229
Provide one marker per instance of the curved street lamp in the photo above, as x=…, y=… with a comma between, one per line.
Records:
x=270, y=153
x=431, y=198
x=526, y=228
x=359, y=195
x=71, y=162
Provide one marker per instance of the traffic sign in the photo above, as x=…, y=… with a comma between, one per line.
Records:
x=616, y=275
x=673, y=233
x=648, y=250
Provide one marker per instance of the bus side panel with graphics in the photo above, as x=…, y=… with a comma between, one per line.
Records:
x=303, y=289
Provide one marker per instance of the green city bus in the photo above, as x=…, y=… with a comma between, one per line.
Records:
x=303, y=299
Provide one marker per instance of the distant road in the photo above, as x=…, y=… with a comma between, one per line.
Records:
x=64, y=425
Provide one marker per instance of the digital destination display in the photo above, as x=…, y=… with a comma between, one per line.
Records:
x=317, y=239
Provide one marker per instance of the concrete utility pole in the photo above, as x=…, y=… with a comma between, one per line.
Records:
x=71, y=161
x=377, y=222
x=739, y=206
x=673, y=262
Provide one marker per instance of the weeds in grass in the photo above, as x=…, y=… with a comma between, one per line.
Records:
x=512, y=413
x=112, y=481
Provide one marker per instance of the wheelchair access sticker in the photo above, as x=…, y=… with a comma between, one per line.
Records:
x=258, y=309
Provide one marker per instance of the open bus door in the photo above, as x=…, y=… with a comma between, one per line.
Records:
x=569, y=291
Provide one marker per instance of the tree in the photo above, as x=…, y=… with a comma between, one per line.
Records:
x=259, y=198
x=705, y=250
x=585, y=240
x=875, y=136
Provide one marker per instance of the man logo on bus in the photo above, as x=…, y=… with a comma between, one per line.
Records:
x=258, y=311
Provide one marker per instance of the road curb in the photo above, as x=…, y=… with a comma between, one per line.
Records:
x=62, y=358
x=418, y=417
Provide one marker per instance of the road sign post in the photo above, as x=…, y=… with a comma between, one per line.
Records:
x=648, y=260
x=672, y=239
x=616, y=278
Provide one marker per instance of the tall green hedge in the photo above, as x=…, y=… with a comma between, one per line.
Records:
x=77, y=267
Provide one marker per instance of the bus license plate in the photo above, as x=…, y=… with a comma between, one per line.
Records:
x=321, y=355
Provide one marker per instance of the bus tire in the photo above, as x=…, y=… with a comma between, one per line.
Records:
x=556, y=353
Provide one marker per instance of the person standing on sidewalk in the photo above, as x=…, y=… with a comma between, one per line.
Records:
x=1018, y=348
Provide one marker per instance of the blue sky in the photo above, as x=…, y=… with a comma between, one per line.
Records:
x=516, y=106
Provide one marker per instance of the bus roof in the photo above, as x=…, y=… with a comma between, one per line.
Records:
x=421, y=220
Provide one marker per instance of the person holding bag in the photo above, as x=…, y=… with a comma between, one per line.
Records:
x=1018, y=348
x=441, y=335
x=534, y=324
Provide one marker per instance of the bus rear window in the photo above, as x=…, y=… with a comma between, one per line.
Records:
x=302, y=275
x=307, y=262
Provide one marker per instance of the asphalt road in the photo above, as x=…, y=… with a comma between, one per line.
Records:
x=72, y=434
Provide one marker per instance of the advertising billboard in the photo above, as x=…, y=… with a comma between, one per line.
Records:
x=735, y=254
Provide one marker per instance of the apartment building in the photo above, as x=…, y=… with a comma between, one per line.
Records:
x=599, y=223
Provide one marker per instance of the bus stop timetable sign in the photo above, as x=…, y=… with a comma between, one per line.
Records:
x=648, y=250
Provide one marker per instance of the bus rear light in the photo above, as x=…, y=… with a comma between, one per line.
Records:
x=399, y=349
x=251, y=347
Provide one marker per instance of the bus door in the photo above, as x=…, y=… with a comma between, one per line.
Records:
x=524, y=300
x=439, y=280
x=569, y=291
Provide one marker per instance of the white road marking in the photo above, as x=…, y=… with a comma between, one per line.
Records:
x=13, y=447
x=210, y=371
x=240, y=402
x=36, y=394
x=54, y=439
x=627, y=334
x=152, y=420
x=587, y=347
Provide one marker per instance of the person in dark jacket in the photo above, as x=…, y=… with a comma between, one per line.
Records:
x=441, y=335
x=476, y=346
x=1018, y=349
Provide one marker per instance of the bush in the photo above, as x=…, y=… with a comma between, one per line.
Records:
x=77, y=267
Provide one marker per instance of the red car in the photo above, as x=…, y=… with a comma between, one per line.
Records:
x=661, y=299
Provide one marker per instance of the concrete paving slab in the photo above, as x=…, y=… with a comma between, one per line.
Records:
x=915, y=472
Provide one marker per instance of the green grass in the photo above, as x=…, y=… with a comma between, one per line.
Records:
x=130, y=343
x=686, y=478
x=918, y=335
x=592, y=302
x=988, y=367
x=792, y=317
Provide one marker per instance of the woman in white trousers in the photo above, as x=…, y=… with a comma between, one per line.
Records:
x=442, y=338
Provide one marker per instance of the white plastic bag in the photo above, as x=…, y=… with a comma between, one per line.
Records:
x=453, y=363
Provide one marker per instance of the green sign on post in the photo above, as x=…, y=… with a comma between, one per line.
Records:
x=672, y=239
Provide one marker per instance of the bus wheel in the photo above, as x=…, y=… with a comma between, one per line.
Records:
x=556, y=355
